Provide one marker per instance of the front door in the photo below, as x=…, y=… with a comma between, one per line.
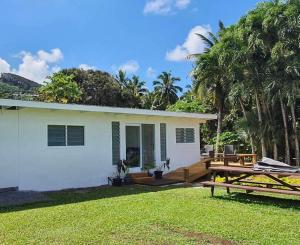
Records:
x=133, y=146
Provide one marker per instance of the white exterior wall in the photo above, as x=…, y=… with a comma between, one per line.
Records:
x=27, y=162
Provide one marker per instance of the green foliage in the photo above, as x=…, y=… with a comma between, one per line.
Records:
x=187, y=105
x=61, y=89
x=251, y=73
x=165, y=91
x=7, y=91
x=233, y=138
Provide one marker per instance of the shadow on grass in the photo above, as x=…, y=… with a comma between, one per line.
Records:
x=280, y=202
x=86, y=194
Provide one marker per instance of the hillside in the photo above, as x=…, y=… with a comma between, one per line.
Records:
x=22, y=83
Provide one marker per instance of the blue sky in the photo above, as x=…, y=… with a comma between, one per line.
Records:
x=143, y=37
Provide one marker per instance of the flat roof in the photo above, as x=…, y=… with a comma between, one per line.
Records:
x=6, y=103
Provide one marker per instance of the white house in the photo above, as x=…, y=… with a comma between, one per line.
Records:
x=49, y=146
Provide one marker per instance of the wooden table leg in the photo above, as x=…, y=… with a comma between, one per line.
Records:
x=242, y=161
x=226, y=180
x=212, y=189
x=225, y=161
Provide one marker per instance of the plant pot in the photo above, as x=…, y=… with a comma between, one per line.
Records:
x=117, y=182
x=158, y=174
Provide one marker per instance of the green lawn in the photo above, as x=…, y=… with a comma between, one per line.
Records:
x=153, y=215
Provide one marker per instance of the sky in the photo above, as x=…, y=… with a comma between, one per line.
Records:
x=142, y=37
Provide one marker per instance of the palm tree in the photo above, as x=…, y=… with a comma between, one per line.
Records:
x=209, y=41
x=137, y=87
x=208, y=75
x=165, y=90
x=122, y=79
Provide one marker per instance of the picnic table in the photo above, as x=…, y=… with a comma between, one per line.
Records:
x=241, y=182
x=236, y=157
x=247, y=155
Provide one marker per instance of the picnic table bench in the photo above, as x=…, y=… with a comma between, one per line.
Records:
x=250, y=186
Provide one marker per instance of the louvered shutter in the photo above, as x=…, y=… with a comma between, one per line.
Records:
x=115, y=142
x=163, y=142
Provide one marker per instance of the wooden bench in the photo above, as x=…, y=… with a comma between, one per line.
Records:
x=239, y=182
x=251, y=188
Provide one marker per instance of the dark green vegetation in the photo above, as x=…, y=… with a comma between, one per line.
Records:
x=149, y=215
x=251, y=70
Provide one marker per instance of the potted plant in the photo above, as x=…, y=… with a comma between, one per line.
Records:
x=117, y=179
x=147, y=167
x=160, y=169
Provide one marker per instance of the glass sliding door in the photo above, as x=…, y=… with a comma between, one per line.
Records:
x=133, y=146
x=148, y=143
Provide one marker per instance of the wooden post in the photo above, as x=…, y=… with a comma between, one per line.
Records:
x=186, y=172
x=212, y=189
x=254, y=158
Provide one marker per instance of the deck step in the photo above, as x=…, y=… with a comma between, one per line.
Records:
x=251, y=188
x=196, y=171
x=138, y=175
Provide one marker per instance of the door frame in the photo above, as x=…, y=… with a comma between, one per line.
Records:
x=138, y=169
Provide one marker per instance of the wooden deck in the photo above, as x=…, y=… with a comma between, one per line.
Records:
x=186, y=174
x=180, y=175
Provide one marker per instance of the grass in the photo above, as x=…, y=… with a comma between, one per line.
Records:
x=153, y=215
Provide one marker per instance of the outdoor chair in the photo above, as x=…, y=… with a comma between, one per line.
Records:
x=207, y=151
x=229, y=154
x=229, y=150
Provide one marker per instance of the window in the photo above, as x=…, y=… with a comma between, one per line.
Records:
x=61, y=135
x=75, y=135
x=185, y=135
x=56, y=135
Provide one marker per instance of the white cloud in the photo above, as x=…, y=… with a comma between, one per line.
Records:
x=131, y=66
x=35, y=66
x=4, y=66
x=164, y=6
x=86, y=67
x=52, y=57
x=150, y=72
x=181, y=4
x=193, y=44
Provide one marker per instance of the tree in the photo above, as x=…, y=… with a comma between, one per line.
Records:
x=209, y=75
x=100, y=88
x=165, y=90
x=61, y=89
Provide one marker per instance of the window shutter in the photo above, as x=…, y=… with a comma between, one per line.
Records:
x=179, y=135
x=189, y=135
x=56, y=135
x=115, y=142
x=163, y=142
x=75, y=135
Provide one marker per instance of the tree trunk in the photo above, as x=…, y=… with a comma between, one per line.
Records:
x=262, y=138
x=219, y=128
x=271, y=120
x=286, y=133
x=275, y=151
x=248, y=132
x=297, y=150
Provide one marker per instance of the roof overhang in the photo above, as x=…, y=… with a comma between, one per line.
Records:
x=8, y=103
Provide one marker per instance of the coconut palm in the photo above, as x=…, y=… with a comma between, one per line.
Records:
x=165, y=90
x=137, y=87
